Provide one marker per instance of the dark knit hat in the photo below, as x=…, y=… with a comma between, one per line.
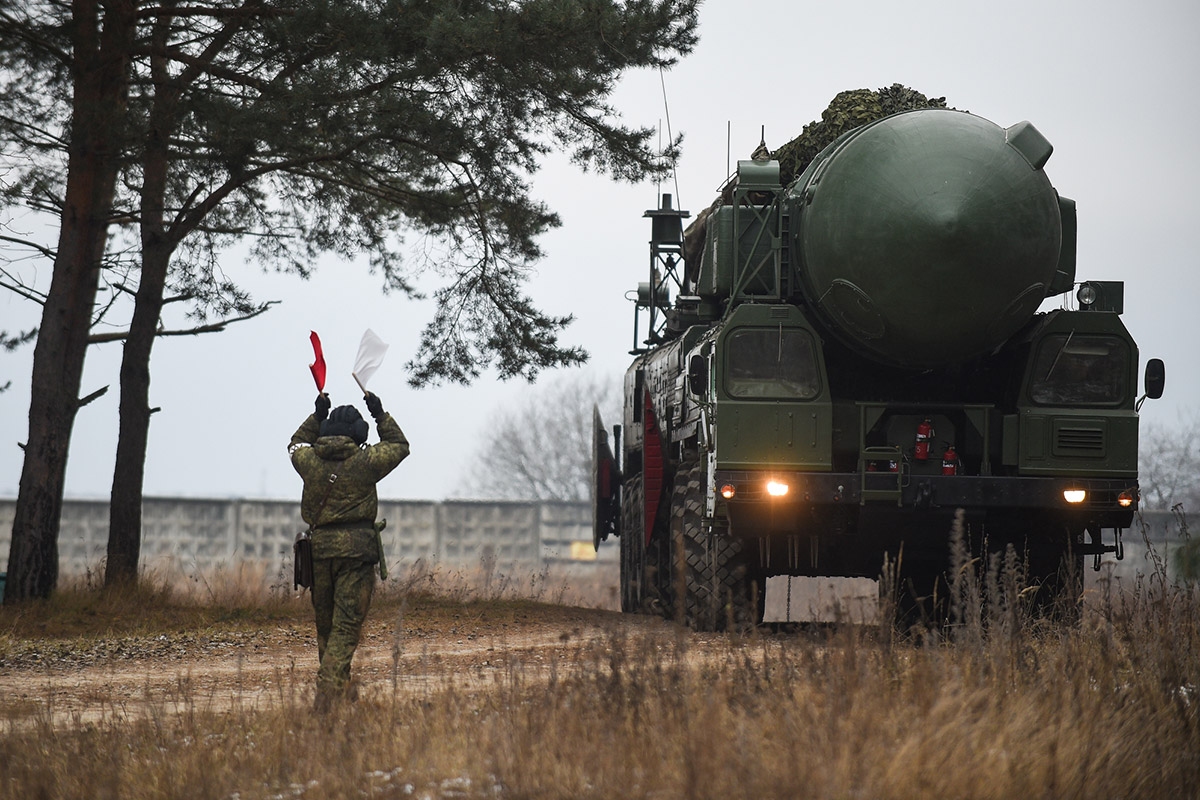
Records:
x=345, y=421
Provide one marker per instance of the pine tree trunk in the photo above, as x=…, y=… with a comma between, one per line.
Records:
x=101, y=68
x=125, y=506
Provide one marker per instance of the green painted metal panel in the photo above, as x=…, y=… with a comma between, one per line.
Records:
x=774, y=434
x=717, y=265
x=1082, y=442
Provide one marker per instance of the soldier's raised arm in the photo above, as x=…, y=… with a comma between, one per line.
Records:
x=310, y=429
x=393, y=445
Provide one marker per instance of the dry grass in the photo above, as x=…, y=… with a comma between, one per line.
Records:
x=161, y=601
x=1004, y=707
x=250, y=596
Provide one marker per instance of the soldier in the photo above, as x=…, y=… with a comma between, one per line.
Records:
x=339, y=503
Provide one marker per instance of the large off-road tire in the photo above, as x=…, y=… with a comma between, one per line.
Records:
x=644, y=568
x=711, y=585
x=632, y=546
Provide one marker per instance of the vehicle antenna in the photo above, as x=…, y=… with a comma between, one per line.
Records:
x=658, y=182
x=670, y=137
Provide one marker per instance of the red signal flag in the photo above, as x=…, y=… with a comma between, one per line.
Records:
x=318, y=366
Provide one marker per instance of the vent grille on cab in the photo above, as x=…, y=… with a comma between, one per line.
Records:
x=1079, y=440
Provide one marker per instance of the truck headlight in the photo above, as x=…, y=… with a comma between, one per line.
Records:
x=1074, y=495
x=777, y=488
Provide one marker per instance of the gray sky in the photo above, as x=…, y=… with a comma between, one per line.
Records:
x=1112, y=85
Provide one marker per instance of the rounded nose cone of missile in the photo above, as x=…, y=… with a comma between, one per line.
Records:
x=925, y=238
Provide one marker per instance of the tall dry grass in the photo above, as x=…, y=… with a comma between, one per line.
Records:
x=1002, y=706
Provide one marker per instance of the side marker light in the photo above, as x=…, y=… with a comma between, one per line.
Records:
x=727, y=491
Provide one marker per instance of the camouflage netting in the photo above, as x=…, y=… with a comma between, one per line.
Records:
x=847, y=111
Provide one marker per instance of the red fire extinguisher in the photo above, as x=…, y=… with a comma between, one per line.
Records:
x=950, y=461
x=924, y=437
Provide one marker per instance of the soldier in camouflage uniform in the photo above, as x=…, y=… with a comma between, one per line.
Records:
x=339, y=503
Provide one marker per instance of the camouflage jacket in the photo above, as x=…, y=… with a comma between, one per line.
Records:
x=345, y=524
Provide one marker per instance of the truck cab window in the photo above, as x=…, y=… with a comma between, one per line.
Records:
x=1080, y=369
x=777, y=363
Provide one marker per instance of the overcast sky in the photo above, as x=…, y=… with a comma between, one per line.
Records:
x=1113, y=86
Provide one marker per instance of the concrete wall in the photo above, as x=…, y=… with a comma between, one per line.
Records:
x=200, y=535
x=191, y=534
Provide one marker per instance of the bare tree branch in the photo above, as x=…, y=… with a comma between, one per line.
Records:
x=1169, y=462
x=83, y=401
x=541, y=448
x=42, y=249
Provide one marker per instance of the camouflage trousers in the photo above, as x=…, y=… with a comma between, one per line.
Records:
x=341, y=596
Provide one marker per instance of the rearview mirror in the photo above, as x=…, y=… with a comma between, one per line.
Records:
x=1156, y=378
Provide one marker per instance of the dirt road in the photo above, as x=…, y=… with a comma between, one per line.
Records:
x=87, y=680
x=404, y=648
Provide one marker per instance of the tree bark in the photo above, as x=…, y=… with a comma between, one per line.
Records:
x=101, y=74
x=125, y=506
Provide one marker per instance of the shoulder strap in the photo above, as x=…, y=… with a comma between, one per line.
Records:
x=332, y=477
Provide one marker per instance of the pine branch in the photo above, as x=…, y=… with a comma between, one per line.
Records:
x=212, y=327
x=11, y=343
x=47, y=252
x=12, y=27
x=47, y=140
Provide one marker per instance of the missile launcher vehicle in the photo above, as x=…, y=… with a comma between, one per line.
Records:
x=832, y=371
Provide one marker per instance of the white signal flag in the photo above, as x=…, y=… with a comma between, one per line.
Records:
x=371, y=351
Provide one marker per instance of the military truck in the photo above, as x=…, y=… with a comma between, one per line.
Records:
x=830, y=371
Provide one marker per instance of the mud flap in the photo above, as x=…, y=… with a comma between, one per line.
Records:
x=606, y=484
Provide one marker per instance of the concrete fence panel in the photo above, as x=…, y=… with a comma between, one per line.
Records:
x=198, y=534
x=507, y=534
x=411, y=532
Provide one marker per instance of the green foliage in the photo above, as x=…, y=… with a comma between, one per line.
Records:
x=12, y=342
x=310, y=126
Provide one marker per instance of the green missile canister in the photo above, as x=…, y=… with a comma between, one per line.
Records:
x=928, y=238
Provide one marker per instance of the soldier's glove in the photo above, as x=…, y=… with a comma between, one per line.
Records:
x=374, y=405
x=321, y=410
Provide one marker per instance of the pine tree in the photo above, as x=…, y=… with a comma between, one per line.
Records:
x=310, y=126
